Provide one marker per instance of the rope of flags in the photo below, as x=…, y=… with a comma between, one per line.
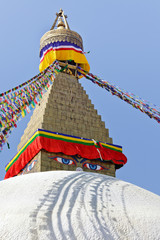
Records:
x=20, y=100
x=151, y=110
x=17, y=102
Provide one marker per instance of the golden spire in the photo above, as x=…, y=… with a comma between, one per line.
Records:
x=62, y=19
x=61, y=35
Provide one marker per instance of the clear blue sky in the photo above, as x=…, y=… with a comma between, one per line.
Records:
x=124, y=42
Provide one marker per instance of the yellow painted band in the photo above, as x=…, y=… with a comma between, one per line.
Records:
x=64, y=55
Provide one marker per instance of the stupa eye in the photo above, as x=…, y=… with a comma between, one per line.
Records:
x=65, y=161
x=94, y=167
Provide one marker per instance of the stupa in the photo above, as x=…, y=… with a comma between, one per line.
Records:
x=65, y=131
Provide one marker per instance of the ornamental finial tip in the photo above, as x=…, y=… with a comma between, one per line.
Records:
x=61, y=19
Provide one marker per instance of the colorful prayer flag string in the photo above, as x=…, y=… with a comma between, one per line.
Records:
x=150, y=109
x=18, y=101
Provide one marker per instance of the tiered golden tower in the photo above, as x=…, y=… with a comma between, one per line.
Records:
x=65, y=132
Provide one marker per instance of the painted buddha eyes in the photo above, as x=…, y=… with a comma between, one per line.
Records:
x=94, y=167
x=65, y=161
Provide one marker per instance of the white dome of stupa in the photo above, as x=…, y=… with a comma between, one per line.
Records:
x=76, y=205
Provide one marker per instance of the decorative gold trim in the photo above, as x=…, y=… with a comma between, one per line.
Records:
x=61, y=35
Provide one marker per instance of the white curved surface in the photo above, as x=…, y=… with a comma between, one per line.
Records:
x=76, y=205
